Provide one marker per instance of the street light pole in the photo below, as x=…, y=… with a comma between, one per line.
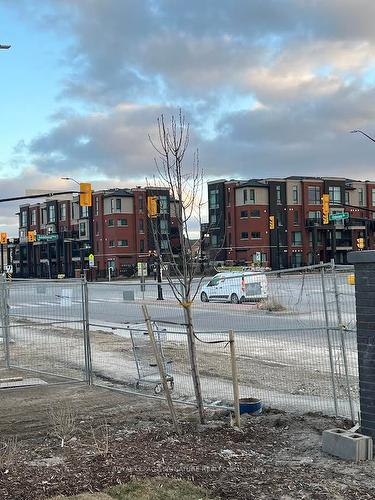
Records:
x=363, y=133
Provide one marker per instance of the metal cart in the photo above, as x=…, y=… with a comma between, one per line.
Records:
x=145, y=362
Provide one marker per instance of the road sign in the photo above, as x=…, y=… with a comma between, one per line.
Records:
x=91, y=260
x=339, y=216
x=9, y=268
x=47, y=237
x=142, y=269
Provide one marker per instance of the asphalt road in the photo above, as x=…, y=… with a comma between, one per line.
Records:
x=301, y=298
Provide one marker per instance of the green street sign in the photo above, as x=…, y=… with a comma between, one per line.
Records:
x=339, y=216
x=47, y=237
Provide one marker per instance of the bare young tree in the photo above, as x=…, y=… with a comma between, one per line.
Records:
x=185, y=186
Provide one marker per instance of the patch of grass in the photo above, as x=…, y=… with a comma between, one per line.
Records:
x=159, y=488
x=271, y=305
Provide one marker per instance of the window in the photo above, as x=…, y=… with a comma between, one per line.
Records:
x=252, y=196
x=141, y=246
x=96, y=228
x=122, y=243
x=229, y=219
x=296, y=238
x=82, y=229
x=111, y=222
x=213, y=218
x=163, y=204
x=140, y=203
x=278, y=195
x=230, y=239
x=361, y=198
x=244, y=235
x=314, y=195
x=214, y=240
x=244, y=196
x=255, y=213
x=24, y=218
x=228, y=197
x=63, y=211
x=315, y=215
x=295, y=194
x=51, y=213
x=84, y=212
x=115, y=205
x=33, y=217
x=373, y=197
x=163, y=226
x=97, y=246
x=141, y=225
x=295, y=218
x=214, y=281
x=243, y=214
x=164, y=244
x=214, y=198
x=111, y=243
x=96, y=201
x=297, y=259
x=122, y=222
x=335, y=194
x=347, y=200
x=255, y=235
x=44, y=216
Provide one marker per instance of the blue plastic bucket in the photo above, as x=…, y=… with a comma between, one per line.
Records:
x=253, y=406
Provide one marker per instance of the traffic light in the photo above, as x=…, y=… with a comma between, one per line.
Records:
x=31, y=236
x=85, y=194
x=3, y=238
x=360, y=243
x=152, y=206
x=271, y=220
x=325, y=208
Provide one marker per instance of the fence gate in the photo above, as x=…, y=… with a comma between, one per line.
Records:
x=43, y=332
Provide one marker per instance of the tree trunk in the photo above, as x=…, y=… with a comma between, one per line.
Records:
x=193, y=361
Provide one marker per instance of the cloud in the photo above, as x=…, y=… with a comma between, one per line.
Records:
x=270, y=88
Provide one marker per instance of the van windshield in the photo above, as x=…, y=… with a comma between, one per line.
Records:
x=214, y=281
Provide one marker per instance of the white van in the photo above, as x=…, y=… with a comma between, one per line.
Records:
x=235, y=287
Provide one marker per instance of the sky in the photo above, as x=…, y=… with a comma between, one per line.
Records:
x=270, y=88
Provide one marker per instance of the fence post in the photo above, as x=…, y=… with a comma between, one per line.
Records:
x=161, y=370
x=364, y=267
x=343, y=346
x=86, y=331
x=329, y=339
x=5, y=320
x=236, y=392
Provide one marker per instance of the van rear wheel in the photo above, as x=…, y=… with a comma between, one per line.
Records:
x=234, y=298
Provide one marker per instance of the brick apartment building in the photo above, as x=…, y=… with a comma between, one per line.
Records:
x=116, y=229
x=239, y=214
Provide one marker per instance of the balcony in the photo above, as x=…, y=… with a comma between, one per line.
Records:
x=310, y=223
x=355, y=223
x=341, y=244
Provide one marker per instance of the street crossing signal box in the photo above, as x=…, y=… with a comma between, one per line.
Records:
x=360, y=243
x=325, y=208
x=31, y=236
x=271, y=220
x=152, y=206
x=85, y=194
x=3, y=238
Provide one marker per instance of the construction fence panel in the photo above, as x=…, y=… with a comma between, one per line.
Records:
x=293, y=349
x=42, y=331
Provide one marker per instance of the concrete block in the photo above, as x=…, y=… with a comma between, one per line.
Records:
x=128, y=294
x=347, y=445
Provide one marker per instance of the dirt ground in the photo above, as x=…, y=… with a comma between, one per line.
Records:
x=112, y=438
